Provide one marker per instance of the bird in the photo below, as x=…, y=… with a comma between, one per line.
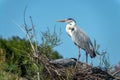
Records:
x=64, y=62
x=79, y=37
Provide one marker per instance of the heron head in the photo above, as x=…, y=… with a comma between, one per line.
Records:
x=69, y=21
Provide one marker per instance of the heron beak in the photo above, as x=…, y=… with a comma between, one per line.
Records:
x=61, y=20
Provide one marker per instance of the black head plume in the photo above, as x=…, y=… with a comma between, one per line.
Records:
x=71, y=19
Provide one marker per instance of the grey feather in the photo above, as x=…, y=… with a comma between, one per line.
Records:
x=83, y=41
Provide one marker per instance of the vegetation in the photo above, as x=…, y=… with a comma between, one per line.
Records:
x=103, y=59
x=20, y=53
x=25, y=58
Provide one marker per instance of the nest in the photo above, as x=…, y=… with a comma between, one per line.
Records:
x=81, y=71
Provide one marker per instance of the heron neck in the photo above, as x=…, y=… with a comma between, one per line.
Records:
x=68, y=29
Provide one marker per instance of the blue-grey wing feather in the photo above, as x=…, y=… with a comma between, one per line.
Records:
x=83, y=41
x=79, y=37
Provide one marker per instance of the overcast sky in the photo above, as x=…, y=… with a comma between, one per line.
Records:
x=100, y=19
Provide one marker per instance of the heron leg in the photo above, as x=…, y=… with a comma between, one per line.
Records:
x=86, y=57
x=78, y=57
x=78, y=53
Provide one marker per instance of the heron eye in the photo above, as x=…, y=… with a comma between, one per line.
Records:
x=72, y=29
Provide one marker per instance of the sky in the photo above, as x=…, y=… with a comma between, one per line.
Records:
x=100, y=19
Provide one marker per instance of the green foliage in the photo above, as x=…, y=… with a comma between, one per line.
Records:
x=17, y=55
x=51, y=39
x=21, y=53
x=49, y=52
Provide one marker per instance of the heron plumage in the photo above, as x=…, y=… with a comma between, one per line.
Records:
x=79, y=37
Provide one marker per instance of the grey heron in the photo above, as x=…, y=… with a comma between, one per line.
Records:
x=64, y=62
x=79, y=37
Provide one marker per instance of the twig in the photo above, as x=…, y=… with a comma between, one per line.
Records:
x=24, y=16
x=27, y=37
x=115, y=73
x=34, y=33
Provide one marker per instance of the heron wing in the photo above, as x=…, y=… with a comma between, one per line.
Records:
x=80, y=38
x=83, y=41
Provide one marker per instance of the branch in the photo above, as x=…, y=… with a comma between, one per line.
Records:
x=115, y=73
